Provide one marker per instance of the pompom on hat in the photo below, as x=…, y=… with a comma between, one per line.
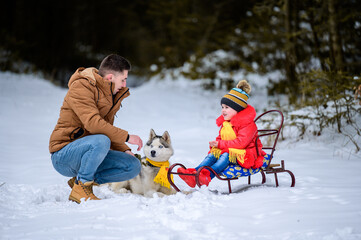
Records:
x=238, y=96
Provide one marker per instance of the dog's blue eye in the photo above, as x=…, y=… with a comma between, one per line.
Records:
x=160, y=146
x=151, y=146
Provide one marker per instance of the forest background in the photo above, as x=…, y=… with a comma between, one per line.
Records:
x=314, y=44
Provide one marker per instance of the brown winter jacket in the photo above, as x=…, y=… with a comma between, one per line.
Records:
x=89, y=108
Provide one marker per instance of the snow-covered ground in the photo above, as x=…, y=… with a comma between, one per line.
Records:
x=325, y=204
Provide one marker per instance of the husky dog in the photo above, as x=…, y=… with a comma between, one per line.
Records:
x=157, y=152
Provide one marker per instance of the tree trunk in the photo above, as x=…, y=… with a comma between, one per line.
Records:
x=291, y=58
x=335, y=39
x=316, y=40
x=212, y=22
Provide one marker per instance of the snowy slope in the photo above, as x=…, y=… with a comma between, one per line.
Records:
x=325, y=204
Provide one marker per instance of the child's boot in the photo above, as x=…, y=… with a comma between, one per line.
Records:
x=204, y=177
x=190, y=180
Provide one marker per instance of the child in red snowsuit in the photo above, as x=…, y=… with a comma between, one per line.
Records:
x=236, y=142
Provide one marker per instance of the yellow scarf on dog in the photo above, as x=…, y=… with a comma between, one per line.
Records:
x=235, y=154
x=161, y=177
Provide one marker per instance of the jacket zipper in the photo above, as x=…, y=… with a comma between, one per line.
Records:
x=114, y=103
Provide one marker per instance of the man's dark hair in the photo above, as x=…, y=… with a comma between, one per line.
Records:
x=113, y=63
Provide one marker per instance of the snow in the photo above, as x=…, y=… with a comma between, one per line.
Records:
x=324, y=204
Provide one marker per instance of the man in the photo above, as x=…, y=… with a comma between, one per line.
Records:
x=84, y=144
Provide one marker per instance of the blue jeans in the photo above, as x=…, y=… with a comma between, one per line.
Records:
x=90, y=158
x=217, y=165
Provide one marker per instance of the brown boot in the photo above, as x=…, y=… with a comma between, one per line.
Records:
x=81, y=190
x=71, y=182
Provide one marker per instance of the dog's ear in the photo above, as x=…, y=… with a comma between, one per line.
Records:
x=152, y=134
x=166, y=137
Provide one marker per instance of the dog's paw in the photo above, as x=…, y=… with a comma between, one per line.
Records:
x=155, y=194
x=119, y=187
x=122, y=190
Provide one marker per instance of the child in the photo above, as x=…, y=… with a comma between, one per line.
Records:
x=236, y=142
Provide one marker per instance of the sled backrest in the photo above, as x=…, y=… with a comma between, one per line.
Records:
x=269, y=126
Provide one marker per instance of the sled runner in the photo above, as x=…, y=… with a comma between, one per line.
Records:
x=235, y=171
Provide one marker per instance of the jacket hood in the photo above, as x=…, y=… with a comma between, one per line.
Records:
x=243, y=117
x=91, y=74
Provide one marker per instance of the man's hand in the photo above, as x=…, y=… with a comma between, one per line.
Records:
x=130, y=153
x=135, y=140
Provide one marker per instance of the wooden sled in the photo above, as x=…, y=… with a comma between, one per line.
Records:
x=234, y=171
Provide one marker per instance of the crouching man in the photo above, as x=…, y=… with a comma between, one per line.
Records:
x=84, y=144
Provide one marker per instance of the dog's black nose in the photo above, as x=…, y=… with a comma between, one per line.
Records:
x=153, y=153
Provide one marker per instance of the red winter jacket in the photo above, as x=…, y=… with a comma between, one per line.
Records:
x=246, y=132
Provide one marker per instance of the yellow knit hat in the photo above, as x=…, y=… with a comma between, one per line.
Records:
x=238, y=96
